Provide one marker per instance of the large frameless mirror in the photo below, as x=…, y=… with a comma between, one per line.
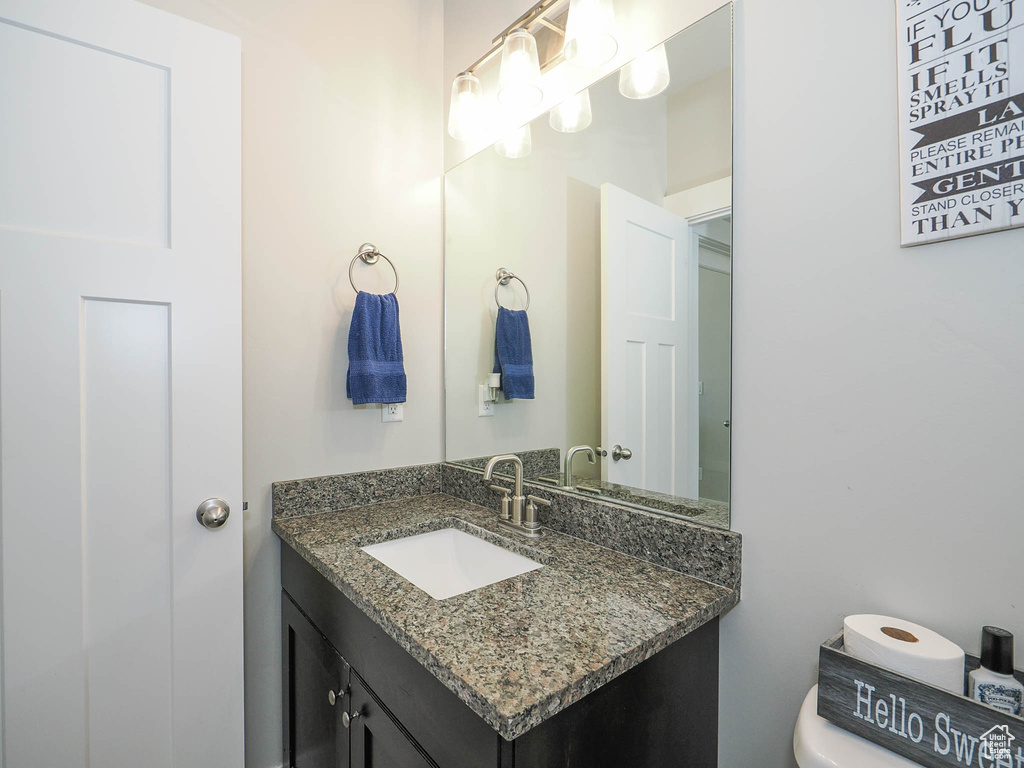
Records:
x=618, y=239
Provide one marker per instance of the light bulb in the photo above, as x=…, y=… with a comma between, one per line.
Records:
x=465, y=113
x=519, y=78
x=590, y=33
x=573, y=114
x=645, y=76
x=517, y=144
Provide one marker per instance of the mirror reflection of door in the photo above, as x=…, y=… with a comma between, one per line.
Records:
x=649, y=346
x=715, y=260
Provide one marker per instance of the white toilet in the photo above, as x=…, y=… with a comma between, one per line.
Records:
x=819, y=744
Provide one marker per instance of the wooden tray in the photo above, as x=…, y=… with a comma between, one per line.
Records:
x=926, y=724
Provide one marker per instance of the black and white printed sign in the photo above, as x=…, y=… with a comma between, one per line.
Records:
x=961, y=88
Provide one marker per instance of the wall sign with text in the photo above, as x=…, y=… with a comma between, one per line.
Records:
x=961, y=90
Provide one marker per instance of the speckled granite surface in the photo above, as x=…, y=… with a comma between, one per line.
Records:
x=705, y=511
x=519, y=651
x=707, y=553
x=542, y=461
x=333, y=492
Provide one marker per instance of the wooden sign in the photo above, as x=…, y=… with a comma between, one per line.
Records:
x=926, y=724
x=961, y=94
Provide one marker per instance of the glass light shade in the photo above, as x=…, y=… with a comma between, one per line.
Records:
x=590, y=33
x=518, y=143
x=645, y=76
x=519, y=78
x=573, y=114
x=465, y=113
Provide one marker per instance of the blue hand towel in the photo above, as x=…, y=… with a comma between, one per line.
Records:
x=513, y=354
x=376, y=373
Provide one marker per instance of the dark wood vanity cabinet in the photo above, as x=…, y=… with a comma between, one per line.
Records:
x=377, y=738
x=316, y=678
x=662, y=713
x=320, y=694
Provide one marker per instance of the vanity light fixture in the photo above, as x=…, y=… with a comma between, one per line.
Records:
x=645, y=76
x=519, y=78
x=465, y=115
x=573, y=114
x=590, y=33
x=517, y=144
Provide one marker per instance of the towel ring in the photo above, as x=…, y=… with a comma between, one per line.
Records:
x=504, y=277
x=369, y=254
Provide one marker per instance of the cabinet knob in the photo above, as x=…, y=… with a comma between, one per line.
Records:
x=331, y=697
x=346, y=718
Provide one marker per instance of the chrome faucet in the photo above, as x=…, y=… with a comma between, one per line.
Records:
x=569, y=455
x=518, y=513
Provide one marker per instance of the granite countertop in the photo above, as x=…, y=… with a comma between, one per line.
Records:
x=519, y=651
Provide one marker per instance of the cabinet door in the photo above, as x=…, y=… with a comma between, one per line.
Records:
x=378, y=741
x=316, y=678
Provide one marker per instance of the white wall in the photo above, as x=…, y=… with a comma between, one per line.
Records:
x=341, y=143
x=699, y=131
x=877, y=413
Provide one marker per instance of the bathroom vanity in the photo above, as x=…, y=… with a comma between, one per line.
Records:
x=596, y=658
x=617, y=240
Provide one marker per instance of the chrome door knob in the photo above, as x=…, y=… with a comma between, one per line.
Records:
x=618, y=452
x=213, y=513
x=346, y=718
x=331, y=697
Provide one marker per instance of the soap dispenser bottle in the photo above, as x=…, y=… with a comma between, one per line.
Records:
x=993, y=682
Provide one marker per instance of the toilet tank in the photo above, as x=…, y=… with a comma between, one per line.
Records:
x=819, y=744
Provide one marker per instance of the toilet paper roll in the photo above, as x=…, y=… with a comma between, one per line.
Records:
x=907, y=648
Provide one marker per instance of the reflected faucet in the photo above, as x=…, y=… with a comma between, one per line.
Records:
x=516, y=514
x=569, y=455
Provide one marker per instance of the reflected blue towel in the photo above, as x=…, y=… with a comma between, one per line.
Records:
x=376, y=373
x=513, y=353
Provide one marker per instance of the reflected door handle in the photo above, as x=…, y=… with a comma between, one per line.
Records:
x=213, y=513
x=618, y=452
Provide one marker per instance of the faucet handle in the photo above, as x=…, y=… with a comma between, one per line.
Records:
x=506, y=501
x=531, y=523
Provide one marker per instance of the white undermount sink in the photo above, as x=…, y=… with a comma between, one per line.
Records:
x=449, y=562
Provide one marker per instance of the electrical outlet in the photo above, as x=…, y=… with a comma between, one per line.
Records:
x=392, y=412
x=486, y=404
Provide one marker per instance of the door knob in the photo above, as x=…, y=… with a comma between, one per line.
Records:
x=213, y=513
x=346, y=718
x=726, y=423
x=618, y=452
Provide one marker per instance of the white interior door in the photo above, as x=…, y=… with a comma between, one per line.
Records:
x=120, y=387
x=649, y=345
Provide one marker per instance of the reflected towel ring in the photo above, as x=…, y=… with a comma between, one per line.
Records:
x=504, y=277
x=369, y=254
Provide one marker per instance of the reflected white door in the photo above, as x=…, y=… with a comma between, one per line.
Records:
x=120, y=387
x=649, y=349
